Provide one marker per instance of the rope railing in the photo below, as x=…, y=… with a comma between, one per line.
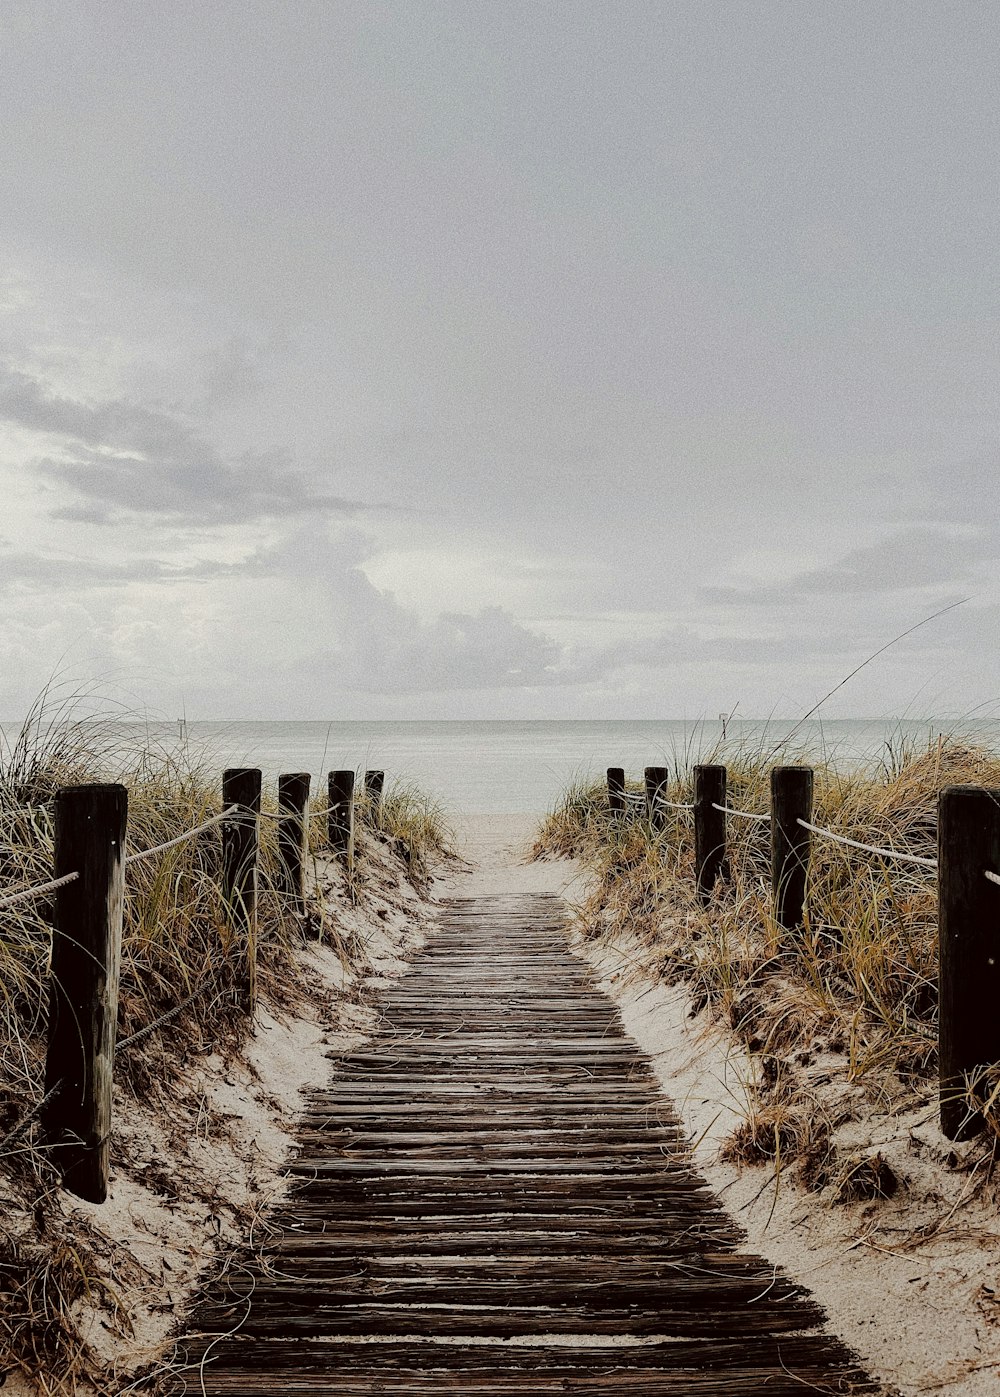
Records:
x=39, y=890
x=741, y=814
x=141, y=854
x=896, y=854
x=12, y=1136
x=165, y=1017
x=966, y=874
x=86, y=943
x=137, y=856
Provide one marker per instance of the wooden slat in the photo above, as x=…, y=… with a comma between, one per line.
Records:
x=498, y=1165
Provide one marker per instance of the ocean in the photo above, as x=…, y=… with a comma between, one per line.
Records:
x=508, y=767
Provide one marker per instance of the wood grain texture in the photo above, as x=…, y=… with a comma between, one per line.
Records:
x=494, y=1197
x=83, y=999
x=241, y=787
x=293, y=803
x=968, y=946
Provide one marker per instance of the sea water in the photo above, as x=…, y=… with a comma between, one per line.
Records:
x=505, y=767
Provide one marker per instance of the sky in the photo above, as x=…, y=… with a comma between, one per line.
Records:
x=484, y=359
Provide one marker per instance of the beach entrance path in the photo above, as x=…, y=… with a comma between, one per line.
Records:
x=494, y=1197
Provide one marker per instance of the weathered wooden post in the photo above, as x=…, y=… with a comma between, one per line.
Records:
x=616, y=791
x=340, y=822
x=83, y=999
x=293, y=798
x=709, y=827
x=969, y=947
x=240, y=838
x=791, y=801
x=374, y=784
x=656, y=779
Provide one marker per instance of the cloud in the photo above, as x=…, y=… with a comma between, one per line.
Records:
x=381, y=643
x=909, y=559
x=232, y=375
x=71, y=573
x=486, y=650
x=967, y=492
x=125, y=457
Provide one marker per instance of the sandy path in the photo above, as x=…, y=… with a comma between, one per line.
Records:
x=923, y=1316
x=495, y=848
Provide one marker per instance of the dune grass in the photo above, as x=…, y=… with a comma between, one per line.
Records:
x=418, y=824
x=177, y=939
x=857, y=983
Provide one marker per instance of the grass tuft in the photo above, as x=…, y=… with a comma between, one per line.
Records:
x=857, y=986
x=176, y=939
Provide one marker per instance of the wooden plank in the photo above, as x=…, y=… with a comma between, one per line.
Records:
x=499, y=1165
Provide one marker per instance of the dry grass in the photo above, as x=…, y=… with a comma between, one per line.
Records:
x=417, y=824
x=856, y=986
x=176, y=939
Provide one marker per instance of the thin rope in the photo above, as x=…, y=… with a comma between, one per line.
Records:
x=180, y=838
x=163, y=1018
x=12, y=1136
x=672, y=804
x=743, y=814
x=869, y=848
x=38, y=890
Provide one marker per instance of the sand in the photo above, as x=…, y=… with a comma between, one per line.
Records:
x=912, y=1283
x=192, y=1179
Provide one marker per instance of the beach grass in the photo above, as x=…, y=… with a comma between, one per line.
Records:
x=177, y=941
x=856, y=985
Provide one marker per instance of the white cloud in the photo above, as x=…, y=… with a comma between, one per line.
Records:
x=370, y=351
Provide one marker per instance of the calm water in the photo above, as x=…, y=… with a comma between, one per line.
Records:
x=519, y=766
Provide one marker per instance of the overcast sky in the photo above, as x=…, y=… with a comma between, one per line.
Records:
x=478, y=358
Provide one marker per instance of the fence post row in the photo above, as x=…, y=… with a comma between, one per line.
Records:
x=293, y=800
x=241, y=786
x=340, y=821
x=968, y=908
x=655, y=779
x=90, y=824
x=90, y=829
x=709, y=827
x=968, y=948
x=791, y=801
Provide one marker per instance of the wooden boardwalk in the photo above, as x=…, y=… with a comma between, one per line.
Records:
x=494, y=1197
